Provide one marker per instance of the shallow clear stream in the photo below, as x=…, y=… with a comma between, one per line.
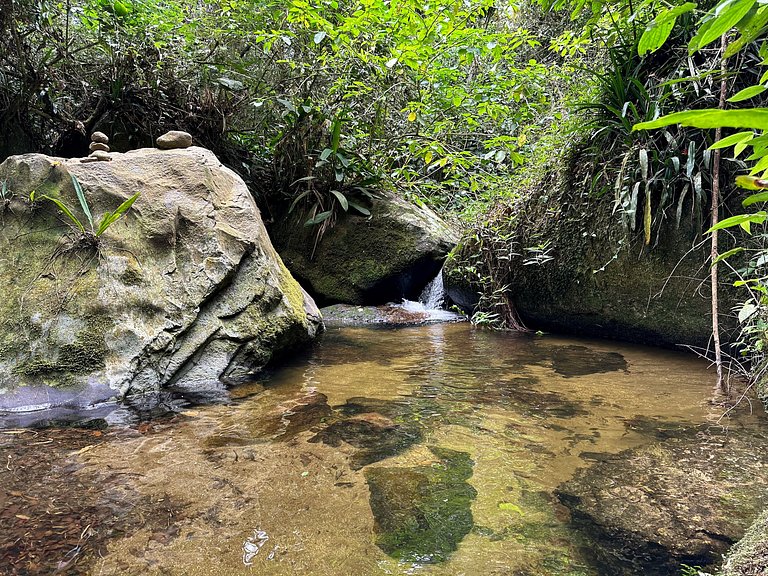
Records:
x=428, y=450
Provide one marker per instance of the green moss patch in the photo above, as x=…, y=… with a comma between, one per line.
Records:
x=422, y=513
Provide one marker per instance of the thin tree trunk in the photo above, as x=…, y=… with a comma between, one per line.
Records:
x=721, y=386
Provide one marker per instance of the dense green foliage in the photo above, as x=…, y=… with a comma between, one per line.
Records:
x=465, y=106
x=325, y=100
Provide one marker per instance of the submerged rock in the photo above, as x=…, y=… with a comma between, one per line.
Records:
x=185, y=290
x=386, y=257
x=660, y=506
x=570, y=361
x=750, y=556
x=423, y=512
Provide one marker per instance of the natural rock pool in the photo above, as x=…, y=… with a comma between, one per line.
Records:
x=435, y=450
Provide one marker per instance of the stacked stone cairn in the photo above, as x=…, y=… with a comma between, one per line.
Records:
x=99, y=148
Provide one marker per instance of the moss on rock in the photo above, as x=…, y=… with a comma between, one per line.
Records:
x=384, y=258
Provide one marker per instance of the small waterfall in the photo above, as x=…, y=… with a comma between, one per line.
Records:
x=434, y=293
x=431, y=301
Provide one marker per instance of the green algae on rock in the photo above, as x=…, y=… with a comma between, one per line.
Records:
x=749, y=557
x=423, y=512
x=185, y=291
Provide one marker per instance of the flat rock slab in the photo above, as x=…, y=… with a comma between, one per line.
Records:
x=654, y=508
x=390, y=314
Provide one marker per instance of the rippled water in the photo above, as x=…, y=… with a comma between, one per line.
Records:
x=428, y=450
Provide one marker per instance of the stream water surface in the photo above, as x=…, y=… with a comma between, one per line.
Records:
x=430, y=450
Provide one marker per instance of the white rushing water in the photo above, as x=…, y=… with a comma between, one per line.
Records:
x=431, y=302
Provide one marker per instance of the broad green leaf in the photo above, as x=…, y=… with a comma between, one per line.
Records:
x=747, y=93
x=361, y=209
x=740, y=220
x=325, y=154
x=755, y=118
x=335, y=135
x=111, y=217
x=66, y=211
x=732, y=139
x=747, y=311
x=728, y=254
x=727, y=15
x=755, y=198
x=323, y=216
x=657, y=32
x=654, y=36
x=749, y=32
x=342, y=199
x=298, y=199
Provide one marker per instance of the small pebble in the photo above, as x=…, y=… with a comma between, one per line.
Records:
x=174, y=139
x=98, y=146
x=100, y=137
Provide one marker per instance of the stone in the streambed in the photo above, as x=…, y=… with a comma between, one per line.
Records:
x=379, y=429
x=100, y=137
x=93, y=146
x=282, y=422
x=101, y=156
x=174, y=139
x=185, y=291
x=570, y=361
x=654, y=508
x=393, y=315
x=421, y=513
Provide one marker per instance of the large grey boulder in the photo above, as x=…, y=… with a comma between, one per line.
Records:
x=185, y=290
x=386, y=257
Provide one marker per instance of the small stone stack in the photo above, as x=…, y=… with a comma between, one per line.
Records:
x=99, y=148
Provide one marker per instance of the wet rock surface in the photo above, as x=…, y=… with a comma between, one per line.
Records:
x=572, y=361
x=184, y=291
x=422, y=513
x=388, y=315
x=663, y=505
x=750, y=556
x=377, y=429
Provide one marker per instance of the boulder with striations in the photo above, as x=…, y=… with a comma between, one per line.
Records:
x=185, y=290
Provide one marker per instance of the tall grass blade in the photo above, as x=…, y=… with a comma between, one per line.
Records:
x=81, y=198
